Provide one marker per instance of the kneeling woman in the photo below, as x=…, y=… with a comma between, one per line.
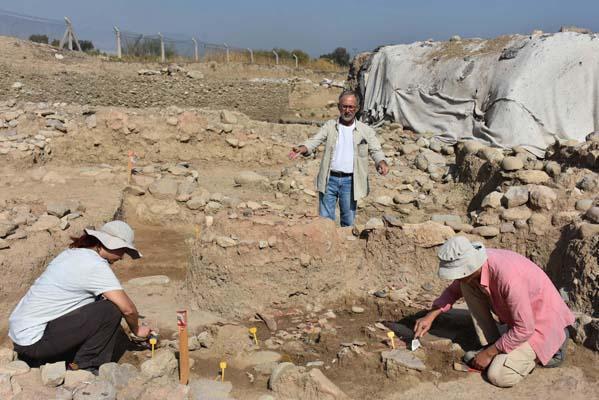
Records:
x=73, y=310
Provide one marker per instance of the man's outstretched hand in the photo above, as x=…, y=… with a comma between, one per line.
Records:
x=297, y=151
x=382, y=168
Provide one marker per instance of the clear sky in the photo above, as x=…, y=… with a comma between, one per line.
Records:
x=314, y=26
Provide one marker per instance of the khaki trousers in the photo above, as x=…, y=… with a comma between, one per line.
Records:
x=505, y=370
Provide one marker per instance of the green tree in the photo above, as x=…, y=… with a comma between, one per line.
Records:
x=86, y=45
x=302, y=56
x=339, y=56
x=39, y=38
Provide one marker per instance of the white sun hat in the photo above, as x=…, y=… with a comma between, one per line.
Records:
x=458, y=258
x=116, y=235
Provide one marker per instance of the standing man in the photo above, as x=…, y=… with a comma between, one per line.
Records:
x=343, y=173
x=519, y=293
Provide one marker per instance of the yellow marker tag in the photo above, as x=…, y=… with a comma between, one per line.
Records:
x=153, y=342
x=223, y=366
x=253, y=331
x=391, y=335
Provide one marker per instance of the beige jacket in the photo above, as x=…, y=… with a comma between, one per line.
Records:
x=365, y=143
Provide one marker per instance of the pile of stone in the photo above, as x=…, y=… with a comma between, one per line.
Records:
x=172, y=70
x=28, y=130
x=17, y=221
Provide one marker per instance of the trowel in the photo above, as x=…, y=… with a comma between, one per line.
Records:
x=404, y=332
x=415, y=344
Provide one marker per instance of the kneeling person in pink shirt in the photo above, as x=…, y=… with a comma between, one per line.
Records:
x=519, y=293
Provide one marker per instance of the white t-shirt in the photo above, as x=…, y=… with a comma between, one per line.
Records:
x=343, y=155
x=73, y=279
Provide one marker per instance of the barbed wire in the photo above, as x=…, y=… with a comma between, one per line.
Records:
x=23, y=26
x=135, y=44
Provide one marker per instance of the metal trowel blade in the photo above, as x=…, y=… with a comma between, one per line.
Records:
x=415, y=344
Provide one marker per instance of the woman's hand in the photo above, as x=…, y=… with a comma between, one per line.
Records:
x=143, y=331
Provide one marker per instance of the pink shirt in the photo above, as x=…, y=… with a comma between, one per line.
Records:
x=524, y=298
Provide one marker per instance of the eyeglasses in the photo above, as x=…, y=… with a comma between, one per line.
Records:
x=347, y=107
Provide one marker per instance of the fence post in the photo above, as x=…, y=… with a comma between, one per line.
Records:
x=69, y=34
x=227, y=51
x=162, y=55
x=195, y=49
x=251, y=56
x=296, y=61
x=276, y=57
x=119, y=53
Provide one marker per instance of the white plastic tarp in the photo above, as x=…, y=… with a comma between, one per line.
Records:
x=508, y=91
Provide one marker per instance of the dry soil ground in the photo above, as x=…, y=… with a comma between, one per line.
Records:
x=234, y=245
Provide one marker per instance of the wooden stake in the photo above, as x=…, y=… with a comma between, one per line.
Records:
x=130, y=155
x=183, y=347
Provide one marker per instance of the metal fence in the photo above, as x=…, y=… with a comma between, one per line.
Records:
x=167, y=48
x=138, y=46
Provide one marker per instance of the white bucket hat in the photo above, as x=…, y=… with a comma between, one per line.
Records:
x=458, y=258
x=116, y=235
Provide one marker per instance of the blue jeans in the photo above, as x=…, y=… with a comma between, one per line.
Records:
x=338, y=188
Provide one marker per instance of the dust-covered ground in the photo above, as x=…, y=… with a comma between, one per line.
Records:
x=229, y=230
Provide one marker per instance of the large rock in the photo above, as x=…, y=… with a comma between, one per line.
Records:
x=589, y=183
x=164, y=363
x=517, y=213
x=384, y=200
x=14, y=368
x=249, y=178
x=118, y=374
x=186, y=189
x=72, y=379
x=202, y=388
x=7, y=355
x=542, y=197
x=53, y=374
x=58, y=209
x=516, y=196
x=190, y=123
x=512, y=164
x=485, y=231
x=446, y=218
x=291, y=382
x=592, y=215
x=403, y=358
x=491, y=154
x=7, y=228
x=164, y=188
x=227, y=117
x=492, y=200
x=427, y=159
x=97, y=390
x=195, y=74
x=592, y=341
x=427, y=234
x=533, y=177
x=584, y=204
x=5, y=386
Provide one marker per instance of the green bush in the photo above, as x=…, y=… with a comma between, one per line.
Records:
x=86, y=45
x=39, y=38
x=339, y=56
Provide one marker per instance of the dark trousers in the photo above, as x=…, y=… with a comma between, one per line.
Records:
x=86, y=336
